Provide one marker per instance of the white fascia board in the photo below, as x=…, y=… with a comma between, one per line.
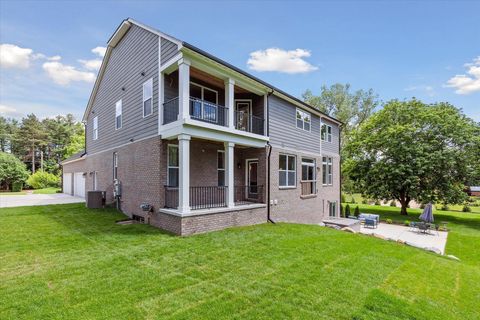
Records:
x=214, y=68
x=157, y=32
x=72, y=161
x=212, y=132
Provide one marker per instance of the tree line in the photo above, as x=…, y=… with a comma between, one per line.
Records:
x=41, y=144
x=405, y=150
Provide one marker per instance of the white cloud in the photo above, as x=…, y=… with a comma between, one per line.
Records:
x=54, y=58
x=100, y=51
x=428, y=90
x=93, y=64
x=279, y=60
x=12, y=56
x=467, y=83
x=64, y=74
x=7, y=111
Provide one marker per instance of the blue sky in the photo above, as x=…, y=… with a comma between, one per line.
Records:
x=429, y=50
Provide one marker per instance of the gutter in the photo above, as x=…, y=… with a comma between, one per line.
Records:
x=269, y=219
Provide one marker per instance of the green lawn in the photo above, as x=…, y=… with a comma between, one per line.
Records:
x=463, y=238
x=69, y=262
x=37, y=191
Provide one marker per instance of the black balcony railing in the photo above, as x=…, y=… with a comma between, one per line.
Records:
x=214, y=197
x=170, y=110
x=247, y=122
x=208, y=112
x=208, y=197
x=309, y=187
x=248, y=194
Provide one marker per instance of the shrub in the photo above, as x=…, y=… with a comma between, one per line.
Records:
x=347, y=211
x=378, y=203
x=353, y=200
x=42, y=179
x=422, y=205
x=389, y=221
x=365, y=201
x=444, y=207
x=344, y=199
x=17, y=186
x=341, y=211
x=357, y=211
x=466, y=208
x=393, y=203
x=11, y=170
x=385, y=201
x=406, y=222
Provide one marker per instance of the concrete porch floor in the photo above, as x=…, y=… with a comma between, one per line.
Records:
x=420, y=240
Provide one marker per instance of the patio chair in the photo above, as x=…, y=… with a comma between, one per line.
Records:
x=370, y=223
x=423, y=227
x=413, y=226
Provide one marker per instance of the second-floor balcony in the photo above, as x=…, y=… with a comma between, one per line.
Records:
x=212, y=113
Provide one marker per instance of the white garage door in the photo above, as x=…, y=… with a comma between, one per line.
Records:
x=79, y=185
x=67, y=183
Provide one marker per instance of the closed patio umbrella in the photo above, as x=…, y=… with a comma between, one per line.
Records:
x=427, y=214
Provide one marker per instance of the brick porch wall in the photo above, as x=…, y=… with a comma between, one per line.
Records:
x=290, y=206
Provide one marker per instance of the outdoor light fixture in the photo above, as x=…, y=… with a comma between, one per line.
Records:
x=143, y=73
x=123, y=88
x=239, y=165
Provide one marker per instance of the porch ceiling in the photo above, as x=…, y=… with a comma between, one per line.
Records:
x=212, y=80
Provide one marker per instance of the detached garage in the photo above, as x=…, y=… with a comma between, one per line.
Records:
x=73, y=177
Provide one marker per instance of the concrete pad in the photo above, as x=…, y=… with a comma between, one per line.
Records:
x=427, y=241
x=37, y=200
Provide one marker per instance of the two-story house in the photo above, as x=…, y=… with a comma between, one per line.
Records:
x=204, y=144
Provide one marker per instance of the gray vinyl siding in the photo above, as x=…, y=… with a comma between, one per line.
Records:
x=137, y=52
x=169, y=50
x=283, y=130
x=331, y=147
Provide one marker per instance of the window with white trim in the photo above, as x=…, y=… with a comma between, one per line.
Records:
x=95, y=128
x=304, y=120
x=118, y=114
x=332, y=209
x=172, y=166
x=115, y=166
x=221, y=168
x=287, y=171
x=147, y=98
x=326, y=132
x=327, y=171
x=94, y=180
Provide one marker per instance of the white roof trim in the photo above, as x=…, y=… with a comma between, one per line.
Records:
x=71, y=161
x=157, y=32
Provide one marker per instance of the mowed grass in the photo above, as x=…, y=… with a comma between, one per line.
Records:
x=69, y=262
x=37, y=191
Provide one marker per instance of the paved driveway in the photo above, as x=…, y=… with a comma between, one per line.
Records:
x=413, y=238
x=37, y=200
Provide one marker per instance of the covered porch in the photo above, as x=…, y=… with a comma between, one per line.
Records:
x=213, y=176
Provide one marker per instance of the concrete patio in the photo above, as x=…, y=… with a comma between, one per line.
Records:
x=428, y=241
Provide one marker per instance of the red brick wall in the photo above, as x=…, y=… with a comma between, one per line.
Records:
x=290, y=206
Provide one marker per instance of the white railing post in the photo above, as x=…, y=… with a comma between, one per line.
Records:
x=184, y=173
x=183, y=89
x=230, y=171
x=229, y=101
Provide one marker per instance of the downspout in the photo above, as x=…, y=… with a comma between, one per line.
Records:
x=269, y=219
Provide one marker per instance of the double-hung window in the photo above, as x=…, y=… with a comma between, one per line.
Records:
x=147, y=98
x=332, y=209
x=287, y=171
x=172, y=166
x=304, y=120
x=327, y=171
x=309, y=185
x=221, y=168
x=95, y=128
x=118, y=114
x=326, y=132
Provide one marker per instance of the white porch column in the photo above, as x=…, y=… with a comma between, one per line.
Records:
x=183, y=88
x=265, y=113
x=229, y=173
x=229, y=101
x=184, y=173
